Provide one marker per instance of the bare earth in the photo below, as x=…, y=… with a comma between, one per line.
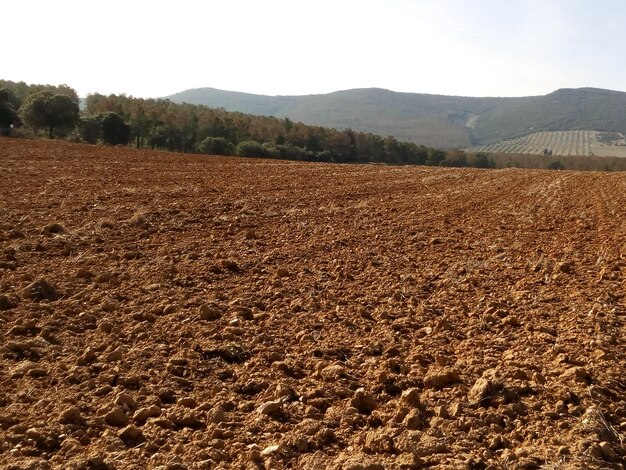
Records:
x=169, y=312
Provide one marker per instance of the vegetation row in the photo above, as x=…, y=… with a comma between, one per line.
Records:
x=162, y=124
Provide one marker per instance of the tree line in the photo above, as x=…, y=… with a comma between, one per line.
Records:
x=162, y=124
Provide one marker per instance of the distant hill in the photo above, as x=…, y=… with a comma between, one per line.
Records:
x=562, y=110
x=432, y=120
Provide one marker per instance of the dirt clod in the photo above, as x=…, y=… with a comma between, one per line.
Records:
x=117, y=417
x=6, y=303
x=72, y=415
x=364, y=402
x=482, y=390
x=40, y=290
x=210, y=312
x=131, y=435
x=271, y=408
x=54, y=229
x=411, y=397
x=143, y=414
x=441, y=377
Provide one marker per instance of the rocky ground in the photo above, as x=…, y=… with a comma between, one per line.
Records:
x=174, y=312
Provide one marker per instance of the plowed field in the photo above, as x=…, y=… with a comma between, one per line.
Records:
x=192, y=312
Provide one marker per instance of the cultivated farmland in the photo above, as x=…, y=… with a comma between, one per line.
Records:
x=164, y=311
x=562, y=143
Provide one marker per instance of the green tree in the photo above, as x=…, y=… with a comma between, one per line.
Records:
x=90, y=129
x=8, y=116
x=338, y=144
x=163, y=124
x=454, y=158
x=482, y=160
x=46, y=110
x=139, y=124
x=250, y=148
x=435, y=157
x=114, y=130
x=158, y=137
x=216, y=146
x=392, y=150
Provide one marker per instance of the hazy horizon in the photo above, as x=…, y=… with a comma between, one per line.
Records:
x=394, y=91
x=444, y=47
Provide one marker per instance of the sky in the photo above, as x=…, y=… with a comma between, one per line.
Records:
x=296, y=47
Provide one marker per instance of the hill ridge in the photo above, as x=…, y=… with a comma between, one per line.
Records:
x=434, y=120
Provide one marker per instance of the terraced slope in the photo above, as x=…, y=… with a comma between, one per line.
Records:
x=564, y=143
x=172, y=312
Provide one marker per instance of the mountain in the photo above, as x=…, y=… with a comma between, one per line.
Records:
x=431, y=120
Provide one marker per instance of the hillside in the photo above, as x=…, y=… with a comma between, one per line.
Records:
x=562, y=110
x=433, y=120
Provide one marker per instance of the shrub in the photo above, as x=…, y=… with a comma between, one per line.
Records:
x=325, y=156
x=455, y=158
x=481, y=160
x=556, y=165
x=114, y=130
x=89, y=129
x=435, y=157
x=250, y=148
x=292, y=152
x=216, y=146
x=271, y=150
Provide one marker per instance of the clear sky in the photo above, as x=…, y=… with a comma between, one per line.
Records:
x=455, y=47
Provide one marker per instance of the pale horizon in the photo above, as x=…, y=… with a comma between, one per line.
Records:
x=445, y=47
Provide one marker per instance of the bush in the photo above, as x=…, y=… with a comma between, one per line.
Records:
x=114, y=130
x=271, y=150
x=435, y=157
x=291, y=152
x=556, y=165
x=250, y=148
x=325, y=156
x=216, y=146
x=481, y=160
x=89, y=129
x=455, y=158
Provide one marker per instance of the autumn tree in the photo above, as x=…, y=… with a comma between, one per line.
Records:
x=338, y=144
x=163, y=124
x=139, y=124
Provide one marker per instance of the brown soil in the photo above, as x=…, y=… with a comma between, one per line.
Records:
x=171, y=312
